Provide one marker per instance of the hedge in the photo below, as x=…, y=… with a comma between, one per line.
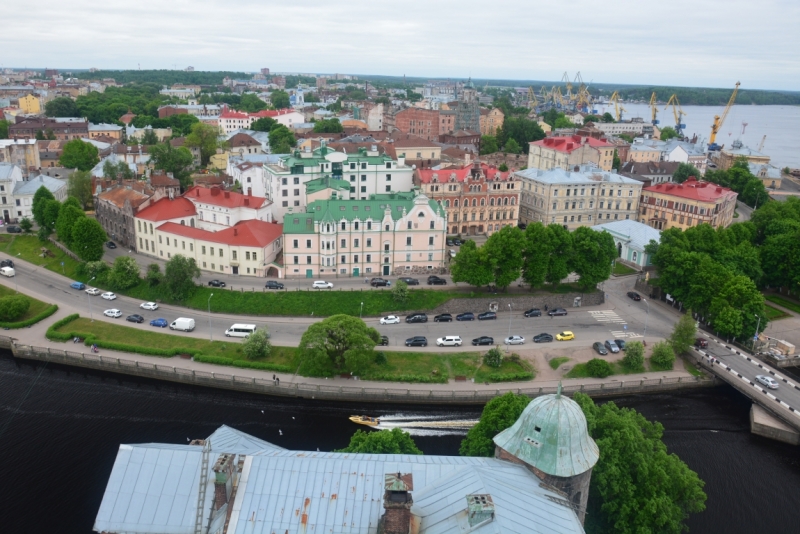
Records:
x=422, y=379
x=61, y=336
x=33, y=320
x=245, y=364
x=510, y=377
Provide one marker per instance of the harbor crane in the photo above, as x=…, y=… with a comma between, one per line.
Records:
x=677, y=112
x=533, y=103
x=761, y=144
x=719, y=120
x=617, y=108
x=654, y=109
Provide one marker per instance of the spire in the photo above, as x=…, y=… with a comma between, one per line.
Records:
x=558, y=393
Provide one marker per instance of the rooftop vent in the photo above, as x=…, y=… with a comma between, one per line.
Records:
x=480, y=509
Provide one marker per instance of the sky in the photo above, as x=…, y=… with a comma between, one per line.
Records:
x=707, y=43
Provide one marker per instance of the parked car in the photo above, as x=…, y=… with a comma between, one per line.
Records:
x=182, y=323
x=108, y=295
x=7, y=271
x=701, y=343
x=77, y=285
x=611, y=346
x=216, y=283
x=449, y=341
x=7, y=263
x=384, y=341
x=160, y=322
x=620, y=343
x=13, y=229
x=93, y=291
x=111, y=244
x=542, y=338
x=113, y=312
x=390, y=319
x=767, y=381
x=452, y=252
x=533, y=312
x=514, y=340
x=466, y=316
x=566, y=335
x=148, y=306
x=321, y=284
x=443, y=318
x=417, y=341
x=457, y=242
x=272, y=284
x=634, y=295
x=601, y=350
x=377, y=282
x=135, y=318
x=409, y=281
x=449, y=242
x=487, y=316
x=436, y=281
x=483, y=340
x=556, y=312
x=416, y=318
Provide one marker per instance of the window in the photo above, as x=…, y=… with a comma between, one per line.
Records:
x=294, y=243
x=408, y=257
x=387, y=228
x=344, y=243
x=363, y=189
x=386, y=246
x=433, y=224
x=296, y=192
x=363, y=177
x=344, y=225
x=234, y=254
x=568, y=192
x=555, y=205
x=355, y=243
x=159, y=240
x=168, y=241
x=430, y=239
x=430, y=256
x=308, y=260
x=284, y=193
x=555, y=192
x=254, y=256
x=388, y=177
x=369, y=242
x=363, y=165
x=247, y=255
x=296, y=180
x=369, y=225
x=601, y=204
x=344, y=259
x=296, y=260
x=408, y=243
x=285, y=203
x=183, y=245
x=369, y=258
x=409, y=225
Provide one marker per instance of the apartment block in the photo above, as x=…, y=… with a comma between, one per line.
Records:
x=693, y=202
x=567, y=152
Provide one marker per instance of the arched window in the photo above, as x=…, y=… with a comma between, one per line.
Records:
x=387, y=227
x=421, y=214
x=446, y=205
x=183, y=223
x=191, y=223
x=455, y=203
x=474, y=202
x=513, y=200
x=327, y=227
x=483, y=202
x=491, y=201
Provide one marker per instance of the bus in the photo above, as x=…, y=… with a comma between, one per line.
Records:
x=240, y=330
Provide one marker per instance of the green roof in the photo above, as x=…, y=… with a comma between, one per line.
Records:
x=335, y=210
x=327, y=182
x=318, y=157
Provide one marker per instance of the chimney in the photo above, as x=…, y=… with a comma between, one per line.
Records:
x=480, y=509
x=246, y=201
x=397, y=504
x=223, y=471
x=227, y=194
x=235, y=232
x=198, y=192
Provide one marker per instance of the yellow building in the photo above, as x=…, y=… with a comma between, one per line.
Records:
x=728, y=156
x=567, y=152
x=546, y=128
x=30, y=105
x=491, y=121
x=669, y=205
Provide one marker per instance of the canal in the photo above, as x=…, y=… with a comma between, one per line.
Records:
x=60, y=429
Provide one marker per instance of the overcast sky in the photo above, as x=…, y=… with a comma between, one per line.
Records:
x=679, y=42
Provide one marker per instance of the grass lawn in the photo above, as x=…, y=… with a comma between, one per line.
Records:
x=37, y=306
x=621, y=269
x=579, y=371
x=555, y=363
x=784, y=302
x=691, y=367
x=774, y=314
x=29, y=249
x=510, y=368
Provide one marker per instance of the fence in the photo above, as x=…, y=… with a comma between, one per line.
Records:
x=266, y=386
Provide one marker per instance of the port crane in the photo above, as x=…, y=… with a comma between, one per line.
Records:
x=617, y=108
x=761, y=144
x=533, y=103
x=677, y=112
x=654, y=109
x=719, y=120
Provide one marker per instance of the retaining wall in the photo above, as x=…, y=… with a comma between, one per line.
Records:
x=519, y=303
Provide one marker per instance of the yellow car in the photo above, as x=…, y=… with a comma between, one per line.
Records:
x=565, y=336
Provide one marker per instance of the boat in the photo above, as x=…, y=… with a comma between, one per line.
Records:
x=365, y=420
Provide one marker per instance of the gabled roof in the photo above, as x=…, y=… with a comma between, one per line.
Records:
x=571, y=143
x=444, y=175
x=326, y=182
x=242, y=139
x=251, y=233
x=166, y=209
x=692, y=189
x=228, y=439
x=30, y=187
x=228, y=199
x=119, y=195
x=637, y=234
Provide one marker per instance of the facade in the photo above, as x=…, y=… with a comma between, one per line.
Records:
x=633, y=128
x=198, y=110
x=24, y=191
x=728, y=156
x=770, y=175
x=419, y=122
x=230, y=121
x=23, y=153
x=394, y=233
x=567, y=152
x=693, y=202
x=651, y=172
x=64, y=130
x=416, y=150
x=30, y=104
x=491, y=120
x=478, y=198
x=577, y=198
x=631, y=237
x=10, y=176
x=641, y=152
x=242, y=143
x=105, y=130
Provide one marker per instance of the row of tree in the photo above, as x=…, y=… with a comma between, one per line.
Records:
x=540, y=254
x=739, y=178
x=281, y=139
x=82, y=235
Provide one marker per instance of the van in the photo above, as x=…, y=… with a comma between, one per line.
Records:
x=7, y=271
x=240, y=330
x=182, y=323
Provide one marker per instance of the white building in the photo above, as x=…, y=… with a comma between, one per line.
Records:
x=24, y=191
x=631, y=238
x=10, y=176
x=230, y=120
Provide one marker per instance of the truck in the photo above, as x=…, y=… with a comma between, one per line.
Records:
x=182, y=323
x=7, y=271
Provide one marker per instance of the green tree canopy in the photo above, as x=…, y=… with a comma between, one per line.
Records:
x=12, y=307
x=328, y=126
x=68, y=215
x=279, y=99
x=51, y=210
x=394, y=441
x=561, y=252
x=684, y=171
x=179, y=275
x=264, y=124
x=634, y=356
x=503, y=251
x=488, y=144
x=608, y=117
x=667, y=133
x=536, y=254
x=338, y=342
x=88, y=238
x=683, y=333
x=663, y=356
x=62, y=106
x=178, y=161
x=79, y=187
x=498, y=414
x=471, y=265
x=4, y=124
x=521, y=130
x=257, y=345
x=79, y=155
x=281, y=140
x=40, y=198
x=124, y=273
x=512, y=147
x=593, y=253
x=204, y=137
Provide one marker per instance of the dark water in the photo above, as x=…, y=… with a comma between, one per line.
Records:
x=60, y=430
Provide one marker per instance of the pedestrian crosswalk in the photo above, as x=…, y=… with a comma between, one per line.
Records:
x=622, y=334
x=607, y=316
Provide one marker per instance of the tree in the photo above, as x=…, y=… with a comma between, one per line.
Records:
x=88, y=238
x=616, y=163
x=394, y=441
x=634, y=356
x=488, y=144
x=503, y=251
x=607, y=117
x=471, y=265
x=400, y=291
x=683, y=334
x=79, y=155
x=663, y=356
x=591, y=118
x=279, y=99
x=593, y=253
x=264, y=124
x=154, y=276
x=179, y=275
x=550, y=117
x=79, y=186
x=204, y=137
x=493, y=358
x=178, y=161
x=281, y=140
x=149, y=137
x=62, y=106
x=68, y=215
x=667, y=133
x=522, y=130
x=598, y=368
x=4, y=124
x=257, y=345
x=637, y=486
x=43, y=234
x=40, y=198
x=13, y=307
x=328, y=126
x=117, y=170
x=536, y=254
x=512, y=147
x=124, y=273
x=51, y=210
x=560, y=248
x=339, y=342
x=564, y=122
x=25, y=224
x=498, y=414
x=684, y=171
x=502, y=167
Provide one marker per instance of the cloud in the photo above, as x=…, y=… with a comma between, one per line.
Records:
x=683, y=42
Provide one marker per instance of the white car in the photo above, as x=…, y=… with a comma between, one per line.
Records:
x=321, y=284
x=514, y=340
x=767, y=381
x=391, y=319
x=108, y=295
x=113, y=312
x=149, y=305
x=449, y=341
x=93, y=291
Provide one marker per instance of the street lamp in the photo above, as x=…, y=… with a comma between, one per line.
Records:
x=508, y=339
x=89, y=298
x=646, y=317
x=210, y=332
x=16, y=284
x=361, y=311
x=755, y=337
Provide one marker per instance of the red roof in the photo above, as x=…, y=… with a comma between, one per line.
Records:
x=571, y=143
x=227, y=114
x=252, y=233
x=166, y=209
x=491, y=172
x=230, y=114
x=227, y=199
x=692, y=190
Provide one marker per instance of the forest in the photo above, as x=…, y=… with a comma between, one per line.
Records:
x=162, y=77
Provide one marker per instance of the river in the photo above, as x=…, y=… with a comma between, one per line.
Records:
x=778, y=123
x=60, y=429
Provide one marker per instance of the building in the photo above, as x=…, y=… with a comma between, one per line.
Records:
x=416, y=150
x=468, y=114
x=567, y=152
x=728, y=156
x=674, y=150
x=105, y=130
x=230, y=120
x=63, y=129
x=491, y=120
x=21, y=152
x=631, y=237
x=582, y=197
x=635, y=127
x=770, y=175
x=10, y=176
x=242, y=143
x=395, y=233
x=198, y=110
x=693, y=202
x=642, y=152
x=470, y=138
x=235, y=483
x=419, y=122
x=651, y=172
x=24, y=191
x=477, y=198
x=30, y=104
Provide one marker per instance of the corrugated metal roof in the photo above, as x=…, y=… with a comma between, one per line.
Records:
x=587, y=175
x=227, y=439
x=30, y=187
x=638, y=234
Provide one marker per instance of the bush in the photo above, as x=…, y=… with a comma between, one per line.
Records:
x=598, y=368
x=25, y=224
x=493, y=358
x=13, y=307
x=43, y=233
x=514, y=357
x=634, y=356
x=257, y=344
x=663, y=356
x=400, y=291
x=380, y=358
x=59, y=336
x=33, y=320
x=95, y=269
x=511, y=377
x=154, y=275
x=124, y=273
x=421, y=379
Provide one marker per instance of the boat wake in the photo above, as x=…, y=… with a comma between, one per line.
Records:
x=426, y=425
